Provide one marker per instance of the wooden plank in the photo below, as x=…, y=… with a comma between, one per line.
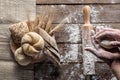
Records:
x=70, y=33
x=74, y=14
x=76, y=1
x=47, y=71
x=11, y=12
x=11, y=71
x=5, y=52
x=70, y=53
x=6, y=55
x=16, y=10
x=71, y=71
x=4, y=33
x=104, y=72
x=67, y=35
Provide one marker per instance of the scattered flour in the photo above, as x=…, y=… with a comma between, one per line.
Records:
x=103, y=26
x=113, y=78
x=63, y=6
x=94, y=14
x=74, y=33
x=70, y=55
x=73, y=30
x=53, y=6
x=112, y=1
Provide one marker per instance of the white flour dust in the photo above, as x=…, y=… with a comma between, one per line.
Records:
x=71, y=54
x=74, y=32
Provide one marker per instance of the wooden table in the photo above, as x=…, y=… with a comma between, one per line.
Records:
x=12, y=11
x=105, y=13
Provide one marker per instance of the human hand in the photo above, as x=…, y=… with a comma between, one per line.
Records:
x=107, y=32
x=104, y=54
x=111, y=56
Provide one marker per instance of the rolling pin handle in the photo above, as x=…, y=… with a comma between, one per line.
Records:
x=86, y=11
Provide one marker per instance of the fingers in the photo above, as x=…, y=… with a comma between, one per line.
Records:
x=99, y=54
x=99, y=30
x=105, y=34
x=92, y=32
x=115, y=43
x=94, y=43
x=102, y=32
x=102, y=54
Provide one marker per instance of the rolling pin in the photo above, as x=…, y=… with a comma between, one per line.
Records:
x=88, y=57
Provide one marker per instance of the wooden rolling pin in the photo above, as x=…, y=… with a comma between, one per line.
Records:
x=88, y=57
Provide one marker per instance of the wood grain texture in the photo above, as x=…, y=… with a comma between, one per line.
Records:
x=16, y=10
x=70, y=53
x=69, y=33
x=47, y=71
x=66, y=49
x=76, y=1
x=66, y=35
x=11, y=71
x=104, y=71
x=70, y=71
x=74, y=14
x=105, y=13
x=12, y=11
x=4, y=33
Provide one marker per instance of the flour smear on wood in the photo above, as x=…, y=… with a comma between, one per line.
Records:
x=71, y=55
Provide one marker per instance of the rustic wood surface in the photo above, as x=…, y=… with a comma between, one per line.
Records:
x=104, y=14
x=68, y=39
x=70, y=49
x=74, y=13
x=76, y=1
x=69, y=33
x=9, y=70
x=47, y=71
x=16, y=10
x=12, y=11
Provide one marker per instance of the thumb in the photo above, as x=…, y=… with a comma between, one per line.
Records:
x=115, y=43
